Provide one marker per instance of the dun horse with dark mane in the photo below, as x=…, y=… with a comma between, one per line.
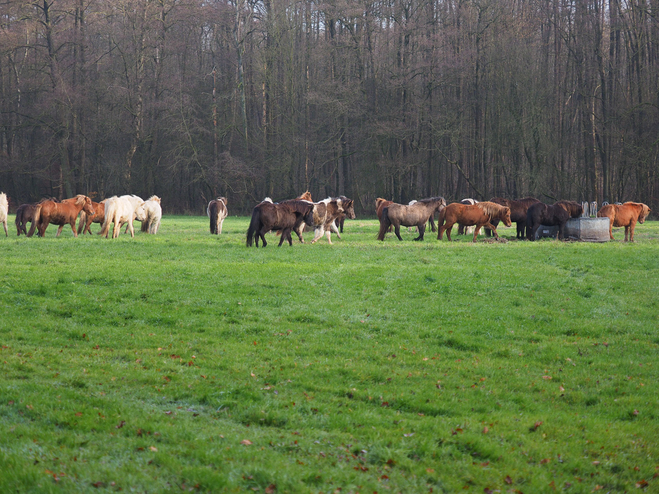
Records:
x=416, y=214
x=555, y=215
x=478, y=215
x=286, y=216
x=60, y=213
x=626, y=215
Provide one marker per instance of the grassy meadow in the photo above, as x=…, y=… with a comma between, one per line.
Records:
x=188, y=362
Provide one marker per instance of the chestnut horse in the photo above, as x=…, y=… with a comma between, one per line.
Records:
x=286, y=216
x=87, y=220
x=4, y=211
x=466, y=230
x=416, y=214
x=60, y=213
x=479, y=215
x=518, y=210
x=555, y=215
x=626, y=215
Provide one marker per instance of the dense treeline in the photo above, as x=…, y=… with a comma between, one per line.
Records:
x=395, y=98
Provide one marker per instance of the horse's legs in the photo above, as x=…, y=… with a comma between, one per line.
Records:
x=59, y=230
x=422, y=230
x=432, y=223
x=610, y=228
x=284, y=233
x=298, y=232
x=534, y=230
x=520, y=229
x=561, y=231
x=447, y=228
x=5, y=225
x=219, y=226
x=318, y=232
x=73, y=227
x=328, y=233
x=335, y=229
x=397, y=231
x=132, y=229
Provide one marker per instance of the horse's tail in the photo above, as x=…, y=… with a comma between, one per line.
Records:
x=212, y=214
x=19, y=220
x=82, y=222
x=254, y=225
x=35, y=220
x=385, y=223
x=110, y=207
x=442, y=217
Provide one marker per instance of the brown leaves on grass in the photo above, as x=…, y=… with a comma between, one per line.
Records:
x=246, y=442
x=535, y=426
x=642, y=484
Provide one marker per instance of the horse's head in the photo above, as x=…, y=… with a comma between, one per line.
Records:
x=505, y=216
x=140, y=212
x=308, y=216
x=87, y=206
x=441, y=204
x=349, y=208
x=645, y=211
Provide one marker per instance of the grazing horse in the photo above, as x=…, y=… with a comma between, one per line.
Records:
x=24, y=213
x=462, y=229
x=416, y=214
x=60, y=213
x=518, y=210
x=217, y=211
x=626, y=215
x=555, y=215
x=4, y=211
x=150, y=213
x=285, y=217
x=87, y=220
x=120, y=210
x=479, y=215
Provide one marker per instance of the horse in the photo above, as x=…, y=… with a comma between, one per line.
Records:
x=462, y=229
x=555, y=215
x=217, y=211
x=4, y=211
x=518, y=210
x=416, y=214
x=593, y=209
x=286, y=216
x=325, y=213
x=86, y=220
x=479, y=215
x=59, y=213
x=24, y=213
x=301, y=227
x=626, y=215
x=150, y=213
x=120, y=210
x=348, y=212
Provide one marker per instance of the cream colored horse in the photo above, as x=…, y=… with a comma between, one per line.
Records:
x=4, y=210
x=120, y=210
x=150, y=213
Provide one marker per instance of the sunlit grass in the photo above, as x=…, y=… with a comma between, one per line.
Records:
x=186, y=360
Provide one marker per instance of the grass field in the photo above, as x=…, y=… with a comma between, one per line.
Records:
x=187, y=362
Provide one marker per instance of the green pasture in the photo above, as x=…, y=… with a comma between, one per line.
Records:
x=188, y=362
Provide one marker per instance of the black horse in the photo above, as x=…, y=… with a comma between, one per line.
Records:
x=518, y=210
x=555, y=215
x=285, y=217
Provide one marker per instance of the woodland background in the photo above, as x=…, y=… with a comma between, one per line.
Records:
x=403, y=99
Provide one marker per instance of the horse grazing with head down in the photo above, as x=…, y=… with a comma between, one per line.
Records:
x=283, y=217
x=87, y=220
x=626, y=215
x=518, y=210
x=217, y=211
x=4, y=211
x=150, y=214
x=120, y=210
x=59, y=213
x=555, y=215
x=478, y=215
x=416, y=214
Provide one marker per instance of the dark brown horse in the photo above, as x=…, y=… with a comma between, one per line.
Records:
x=87, y=220
x=478, y=215
x=60, y=213
x=555, y=215
x=416, y=214
x=285, y=217
x=626, y=215
x=217, y=211
x=518, y=210
x=24, y=213
x=348, y=212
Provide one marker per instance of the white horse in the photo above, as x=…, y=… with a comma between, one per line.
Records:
x=149, y=213
x=120, y=210
x=4, y=209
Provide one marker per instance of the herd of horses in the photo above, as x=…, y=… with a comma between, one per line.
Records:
x=324, y=217
x=117, y=210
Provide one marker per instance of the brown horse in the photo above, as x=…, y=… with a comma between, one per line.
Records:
x=217, y=211
x=60, y=213
x=626, y=215
x=348, y=212
x=286, y=216
x=87, y=220
x=478, y=215
x=518, y=210
x=24, y=213
x=300, y=229
x=555, y=215
x=416, y=214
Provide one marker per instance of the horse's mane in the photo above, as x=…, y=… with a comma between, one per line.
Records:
x=491, y=208
x=154, y=198
x=527, y=200
x=306, y=196
x=298, y=206
x=428, y=200
x=379, y=201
